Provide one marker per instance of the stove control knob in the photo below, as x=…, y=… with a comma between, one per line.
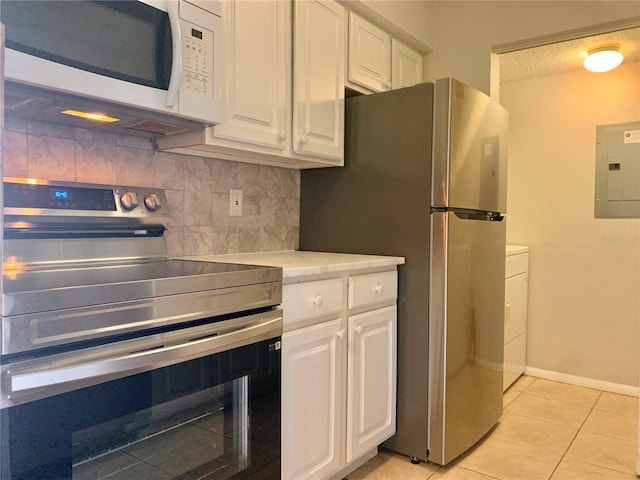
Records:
x=129, y=200
x=152, y=202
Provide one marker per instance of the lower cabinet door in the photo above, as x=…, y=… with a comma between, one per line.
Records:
x=371, y=391
x=312, y=396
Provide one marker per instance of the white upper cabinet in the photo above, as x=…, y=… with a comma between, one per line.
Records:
x=282, y=86
x=318, y=79
x=369, y=54
x=377, y=62
x=256, y=71
x=406, y=70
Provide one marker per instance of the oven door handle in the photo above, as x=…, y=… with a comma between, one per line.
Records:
x=73, y=375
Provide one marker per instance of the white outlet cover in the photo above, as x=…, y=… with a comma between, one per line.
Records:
x=235, y=203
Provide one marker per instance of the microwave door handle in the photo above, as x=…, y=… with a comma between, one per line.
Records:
x=176, y=61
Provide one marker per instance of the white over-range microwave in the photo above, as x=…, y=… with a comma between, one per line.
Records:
x=147, y=67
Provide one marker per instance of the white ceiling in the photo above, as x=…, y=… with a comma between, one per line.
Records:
x=564, y=57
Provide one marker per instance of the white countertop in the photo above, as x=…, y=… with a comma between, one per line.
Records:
x=296, y=264
x=515, y=249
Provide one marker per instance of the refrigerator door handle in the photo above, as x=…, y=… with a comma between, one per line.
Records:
x=482, y=216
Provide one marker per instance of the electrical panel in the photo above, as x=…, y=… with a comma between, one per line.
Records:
x=617, y=192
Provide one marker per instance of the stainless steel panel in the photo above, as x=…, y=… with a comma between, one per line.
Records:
x=465, y=332
x=56, y=289
x=34, y=379
x=22, y=333
x=437, y=324
x=2, y=36
x=49, y=252
x=470, y=149
x=139, y=215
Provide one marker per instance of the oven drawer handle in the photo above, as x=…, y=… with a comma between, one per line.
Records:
x=107, y=369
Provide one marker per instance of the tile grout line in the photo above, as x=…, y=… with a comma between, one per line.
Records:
x=576, y=435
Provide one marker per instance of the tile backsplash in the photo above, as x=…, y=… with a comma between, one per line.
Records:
x=197, y=188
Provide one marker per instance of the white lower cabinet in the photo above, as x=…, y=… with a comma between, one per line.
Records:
x=515, y=315
x=312, y=396
x=338, y=372
x=371, y=385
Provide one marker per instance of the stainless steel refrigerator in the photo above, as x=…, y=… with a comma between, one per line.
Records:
x=425, y=178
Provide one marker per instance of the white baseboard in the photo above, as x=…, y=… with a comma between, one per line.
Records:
x=583, y=381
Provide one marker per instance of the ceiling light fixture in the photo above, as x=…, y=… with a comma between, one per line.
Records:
x=603, y=59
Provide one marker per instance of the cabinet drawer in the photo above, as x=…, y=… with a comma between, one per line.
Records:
x=516, y=264
x=311, y=299
x=372, y=288
x=514, y=359
x=515, y=315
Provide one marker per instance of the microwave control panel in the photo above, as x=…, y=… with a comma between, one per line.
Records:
x=197, y=55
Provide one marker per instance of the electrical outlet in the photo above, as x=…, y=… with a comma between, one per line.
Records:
x=235, y=203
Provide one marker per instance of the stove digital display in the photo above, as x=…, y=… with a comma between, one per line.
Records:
x=58, y=197
x=59, y=194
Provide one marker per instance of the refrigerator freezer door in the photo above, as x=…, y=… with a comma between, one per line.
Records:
x=466, y=327
x=470, y=149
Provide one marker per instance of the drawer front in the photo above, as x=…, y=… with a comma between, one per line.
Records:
x=516, y=264
x=311, y=299
x=515, y=314
x=372, y=288
x=514, y=360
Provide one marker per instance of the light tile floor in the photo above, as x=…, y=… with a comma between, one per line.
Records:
x=549, y=430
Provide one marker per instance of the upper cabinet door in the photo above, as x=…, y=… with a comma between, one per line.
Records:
x=318, y=79
x=369, y=55
x=256, y=71
x=406, y=70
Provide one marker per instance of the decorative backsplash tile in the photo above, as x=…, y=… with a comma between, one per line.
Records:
x=95, y=162
x=200, y=241
x=197, y=188
x=15, y=154
x=51, y=157
x=146, y=168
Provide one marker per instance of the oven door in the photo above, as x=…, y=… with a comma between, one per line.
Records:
x=202, y=402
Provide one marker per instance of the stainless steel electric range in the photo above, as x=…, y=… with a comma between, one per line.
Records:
x=119, y=362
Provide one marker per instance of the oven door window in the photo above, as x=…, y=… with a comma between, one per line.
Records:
x=213, y=417
x=126, y=40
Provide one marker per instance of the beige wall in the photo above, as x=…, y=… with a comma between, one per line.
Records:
x=464, y=32
x=197, y=188
x=584, y=289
